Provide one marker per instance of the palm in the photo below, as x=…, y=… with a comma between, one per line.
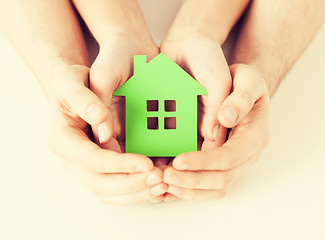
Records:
x=111, y=69
x=204, y=60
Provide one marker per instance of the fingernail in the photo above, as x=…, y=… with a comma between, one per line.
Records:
x=230, y=114
x=157, y=190
x=215, y=132
x=153, y=179
x=172, y=179
x=142, y=168
x=174, y=190
x=94, y=112
x=154, y=200
x=183, y=166
x=101, y=134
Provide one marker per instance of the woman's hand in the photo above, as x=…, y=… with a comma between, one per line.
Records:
x=114, y=177
x=111, y=69
x=208, y=174
x=202, y=57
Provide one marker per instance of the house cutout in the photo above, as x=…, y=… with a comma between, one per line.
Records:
x=160, y=108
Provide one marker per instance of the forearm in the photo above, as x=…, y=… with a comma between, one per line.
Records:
x=45, y=33
x=275, y=33
x=213, y=18
x=106, y=18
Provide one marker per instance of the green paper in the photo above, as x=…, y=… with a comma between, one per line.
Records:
x=161, y=79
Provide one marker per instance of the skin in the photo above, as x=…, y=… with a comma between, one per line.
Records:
x=52, y=44
x=262, y=57
x=80, y=96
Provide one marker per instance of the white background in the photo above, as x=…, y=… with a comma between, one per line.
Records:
x=280, y=197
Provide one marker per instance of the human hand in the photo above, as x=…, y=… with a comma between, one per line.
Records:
x=120, y=29
x=208, y=174
x=202, y=57
x=112, y=67
x=114, y=177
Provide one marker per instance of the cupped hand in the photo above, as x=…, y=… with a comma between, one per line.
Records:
x=112, y=67
x=114, y=177
x=208, y=174
x=202, y=57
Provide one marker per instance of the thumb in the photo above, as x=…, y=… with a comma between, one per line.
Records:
x=209, y=67
x=217, y=84
x=103, y=82
x=79, y=98
x=248, y=87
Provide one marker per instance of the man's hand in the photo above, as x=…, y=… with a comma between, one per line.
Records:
x=208, y=174
x=114, y=177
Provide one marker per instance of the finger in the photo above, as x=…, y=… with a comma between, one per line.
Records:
x=196, y=179
x=248, y=87
x=206, y=179
x=196, y=194
x=119, y=184
x=213, y=73
x=79, y=98
x=156, y=199
x=249, y=138
x=72, y=143
x=103, y=82
x=205, y=61
x=230, y=155
x=104, y=132
x=143, y=197
x=106, y=185
x=112, y=145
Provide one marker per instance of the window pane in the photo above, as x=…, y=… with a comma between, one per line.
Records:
x=152, y=105
x=152, y=123
x=170, y=123
x=170, y=105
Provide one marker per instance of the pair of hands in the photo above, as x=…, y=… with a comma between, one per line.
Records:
x=82, y=97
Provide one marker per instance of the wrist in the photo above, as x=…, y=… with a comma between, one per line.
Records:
x=179, y=33
x=125, y=37
x=214, y=19
x=110, y=18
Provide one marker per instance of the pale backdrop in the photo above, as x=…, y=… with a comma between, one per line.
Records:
x=280, y=197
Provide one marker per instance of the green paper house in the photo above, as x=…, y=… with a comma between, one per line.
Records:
x=160, y=108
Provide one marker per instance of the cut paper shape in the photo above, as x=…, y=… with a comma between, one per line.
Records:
x=160, y=108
